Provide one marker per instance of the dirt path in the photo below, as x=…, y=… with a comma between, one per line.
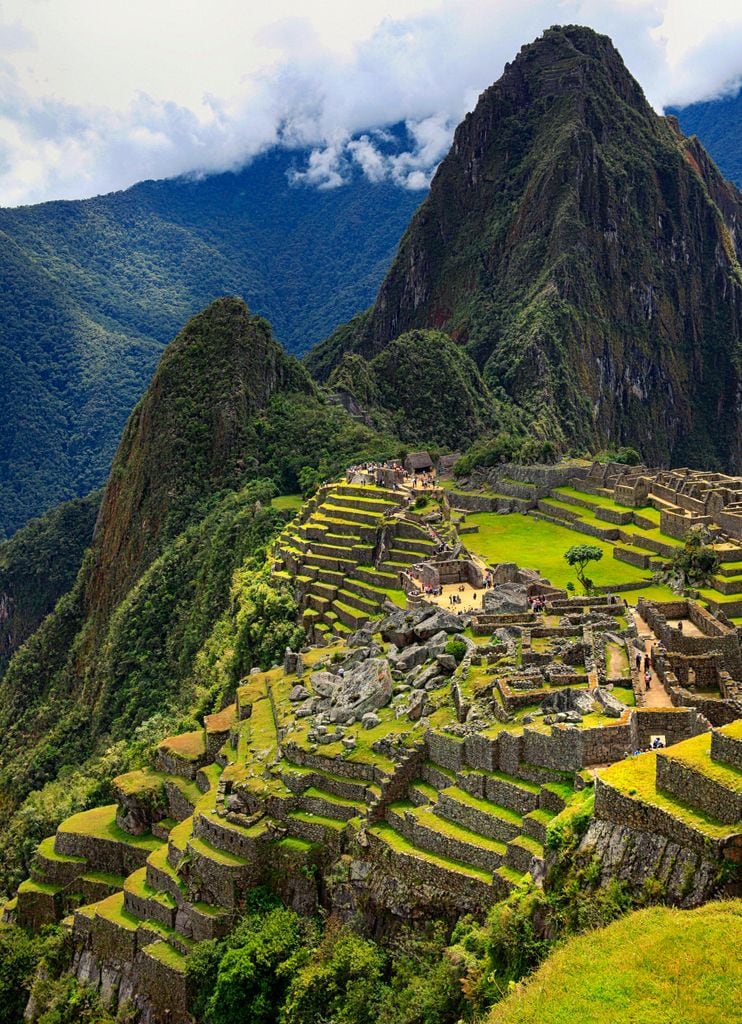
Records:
x=656, y=696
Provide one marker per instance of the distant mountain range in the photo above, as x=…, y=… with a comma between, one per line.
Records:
x=93, y=290
x=718, y=124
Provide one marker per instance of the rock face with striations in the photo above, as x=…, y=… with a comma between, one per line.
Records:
x=586, y=255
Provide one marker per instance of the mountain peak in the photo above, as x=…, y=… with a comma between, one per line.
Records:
x=186, y=437
x=587, y=257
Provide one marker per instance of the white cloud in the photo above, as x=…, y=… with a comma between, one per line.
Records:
x=94, y=97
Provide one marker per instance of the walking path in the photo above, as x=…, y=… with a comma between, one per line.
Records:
x=656, y=696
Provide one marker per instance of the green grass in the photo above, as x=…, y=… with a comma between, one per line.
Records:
x=189, y=745
x=485, y=806
x=318, y=819
x=401, y=845
x=165, y=953
x=635, y=777
x=536, y=544
x=695, y=753
x=39, y=887
x=598, y=500
x=288, y=502
x=655, y=966
x=112, y=909
x=100, y=822
x=141, y=781
x=625, y=694
x=46, y=850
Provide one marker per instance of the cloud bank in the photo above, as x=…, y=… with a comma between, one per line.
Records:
x=94, y=97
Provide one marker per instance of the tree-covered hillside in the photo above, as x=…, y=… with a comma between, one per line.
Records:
x=93, y=290
x=718, y=124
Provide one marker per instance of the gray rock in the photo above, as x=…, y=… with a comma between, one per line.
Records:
x=361, y=638
x=298, y=692
x=569, y=699
x=507, y=597
x=439, y=621
x=409, y=658
x=416, y=704
x=370, y=720
x=366, y=687
x=446, y=662
x=323, y=683
x=610, y=704
x=306, y=709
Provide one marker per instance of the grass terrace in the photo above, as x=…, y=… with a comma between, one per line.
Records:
x=100, y=822
x=635, y=777
x=537, y=544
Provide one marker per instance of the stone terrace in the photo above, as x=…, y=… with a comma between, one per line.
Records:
x=346, y=553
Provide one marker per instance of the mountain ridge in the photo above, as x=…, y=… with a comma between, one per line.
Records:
x=569, y=243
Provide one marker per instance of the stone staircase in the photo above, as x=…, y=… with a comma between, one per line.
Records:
x=346, y=553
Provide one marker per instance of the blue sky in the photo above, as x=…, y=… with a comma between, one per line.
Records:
x=95, y=96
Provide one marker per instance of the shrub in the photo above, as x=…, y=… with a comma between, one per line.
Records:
x=456, y=648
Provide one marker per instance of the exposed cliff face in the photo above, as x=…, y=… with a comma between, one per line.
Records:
x=586, y=255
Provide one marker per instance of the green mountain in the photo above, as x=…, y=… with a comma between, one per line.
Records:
x=93, y=290
x=227, y=420
x=585, y=255
x=38, y=565
x=718, y=124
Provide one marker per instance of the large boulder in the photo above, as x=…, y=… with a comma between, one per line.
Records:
x=367, y=687
x=410, y=657
x=439, y=621
x=610, y=704
x=323, y=683
x=508, y=597
x=569, y=699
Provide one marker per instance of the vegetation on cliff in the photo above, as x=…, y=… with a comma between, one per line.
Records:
x=171, y=604
x=571, y=242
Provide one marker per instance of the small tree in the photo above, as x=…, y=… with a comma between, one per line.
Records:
x=579, y=556
x=692, y=565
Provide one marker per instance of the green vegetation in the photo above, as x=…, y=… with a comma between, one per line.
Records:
x=93, y=290
x=579, y=556
x=38, y=565
x=692, y=566
x=654, y=965
x=535, y=543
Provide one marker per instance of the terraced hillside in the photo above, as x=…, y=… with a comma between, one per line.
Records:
x=638, y=538
x=346, y=551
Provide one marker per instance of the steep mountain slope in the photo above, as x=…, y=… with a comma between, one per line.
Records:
x=93, y=290
x=718, y=124
x=187, y=504
x=585, y=254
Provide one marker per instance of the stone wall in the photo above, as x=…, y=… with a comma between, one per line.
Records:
x=611, y=805
x=727, y=749
x=447, y=751
x=700, y=791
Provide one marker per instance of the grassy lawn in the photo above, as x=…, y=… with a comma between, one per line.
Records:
x=655, y=966
x=290, y=502
x=536, y=544
x=101, y=823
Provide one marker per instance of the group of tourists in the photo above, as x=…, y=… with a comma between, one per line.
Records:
x=645, y=662
x=537, y=602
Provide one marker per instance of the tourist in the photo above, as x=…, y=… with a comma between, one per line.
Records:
x=638, y=661
x=680, y=627
x=648, y=679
